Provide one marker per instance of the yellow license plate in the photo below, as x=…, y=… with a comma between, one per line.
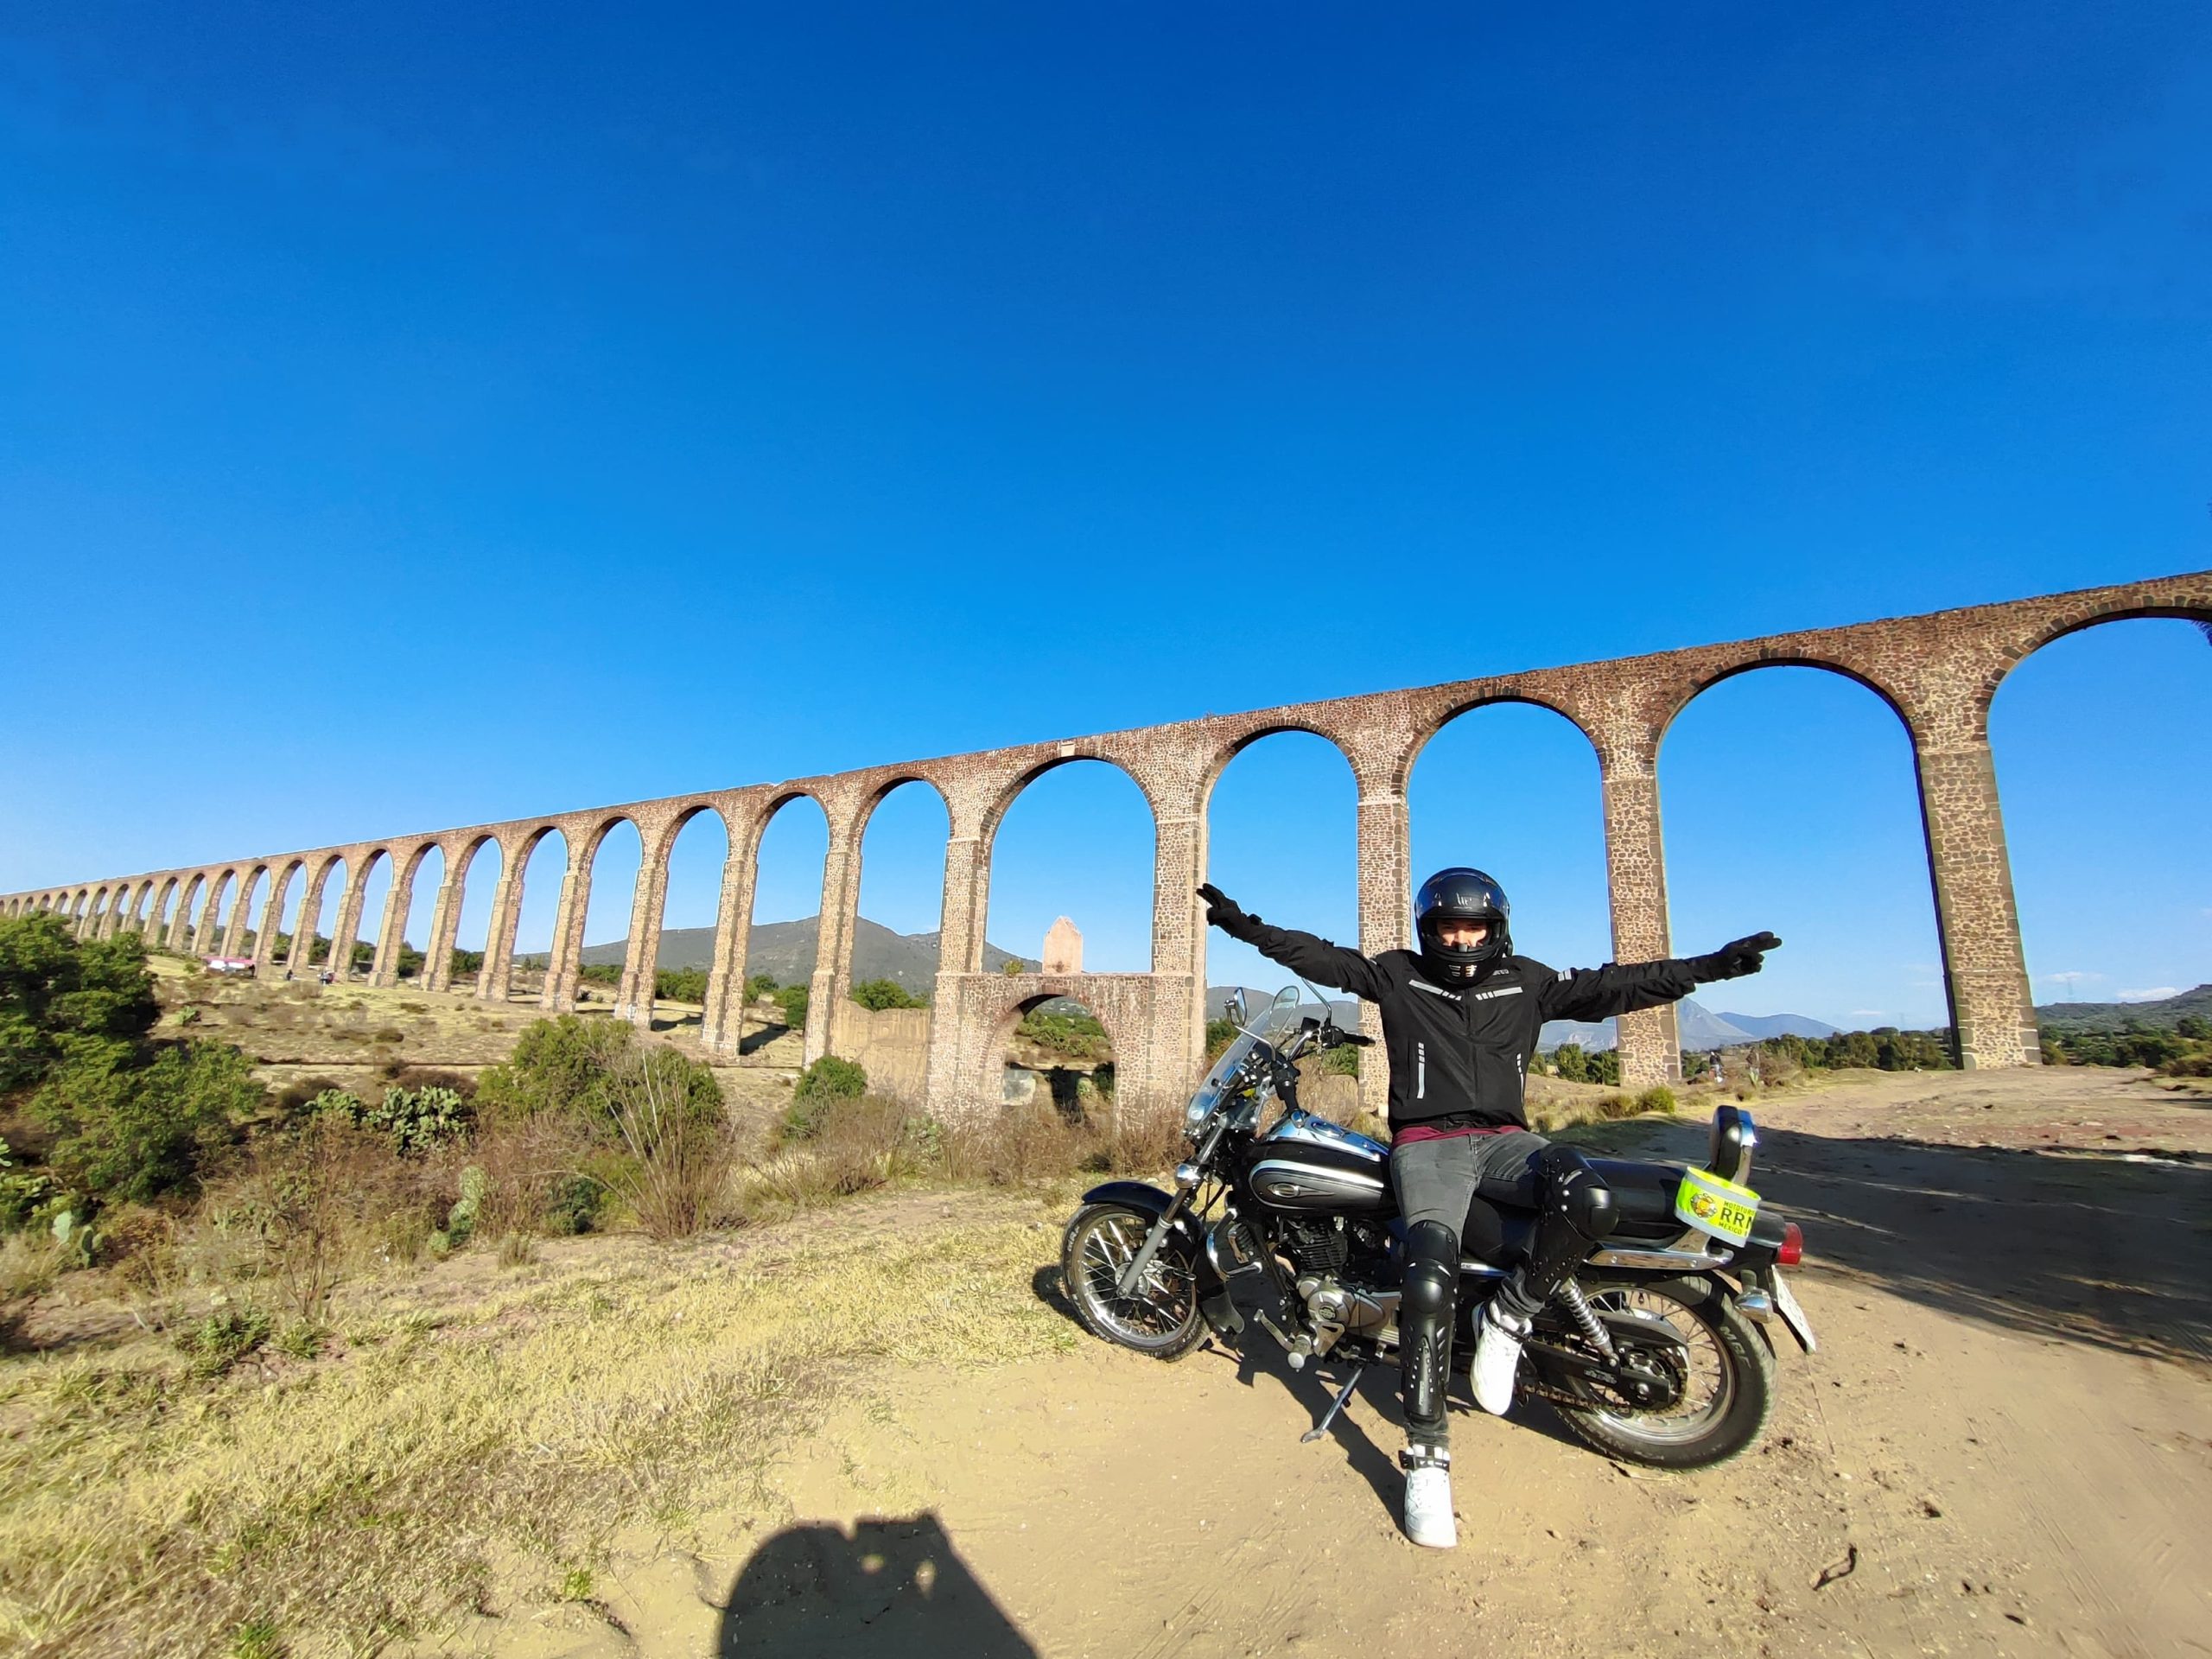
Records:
x=1716, y=1205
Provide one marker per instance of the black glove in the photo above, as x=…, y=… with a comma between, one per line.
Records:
x=1223, y=912
x=1734, y=959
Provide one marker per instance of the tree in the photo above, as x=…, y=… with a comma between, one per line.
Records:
x=793, y=999
x=757, y=986
x=877, y=994
x=122, y=1132
x=59, y=996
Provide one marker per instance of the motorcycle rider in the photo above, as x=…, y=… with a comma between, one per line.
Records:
x=1461, y=1019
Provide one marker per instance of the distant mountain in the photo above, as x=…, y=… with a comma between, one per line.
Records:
x=1701, y=1030
x=787, y=952
x=2060, y=1018
x=1760, y=1026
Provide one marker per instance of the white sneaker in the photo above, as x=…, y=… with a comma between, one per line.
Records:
x=1497, y=1356
x=1429, y=1521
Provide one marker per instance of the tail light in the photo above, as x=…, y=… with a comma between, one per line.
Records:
x=1793, y=1245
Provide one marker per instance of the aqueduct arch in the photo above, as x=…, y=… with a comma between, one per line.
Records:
x=1938, y=672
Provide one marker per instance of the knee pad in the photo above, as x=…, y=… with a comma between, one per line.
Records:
x=1431, y=1269
x=1568, y=1186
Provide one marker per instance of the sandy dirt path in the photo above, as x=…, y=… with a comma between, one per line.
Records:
x=2004, y=1446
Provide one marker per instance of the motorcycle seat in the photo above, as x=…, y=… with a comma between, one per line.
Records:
x=1643, y=1202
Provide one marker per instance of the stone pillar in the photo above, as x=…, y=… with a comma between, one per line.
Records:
x=1636, y=866
x=180, y=924
x=832, y=981
x=234, y=930
x=445, y=922
x=272, y=916
x=722, y=1029
x=492, y=980
x=1386, y=908
x=960, y=950
x=565, y=955
x=1984, y=970
x=348, y=929
x=299, y=959
x=641, y=967
x=1178, y=945
x=391, y=931
x=205, y=940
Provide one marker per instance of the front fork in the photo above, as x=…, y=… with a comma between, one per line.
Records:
x=1187, y=1176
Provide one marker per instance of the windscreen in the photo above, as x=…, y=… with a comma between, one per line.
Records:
x=1274, y=1025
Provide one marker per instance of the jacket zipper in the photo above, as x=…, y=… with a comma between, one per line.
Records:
x=1421, y=1070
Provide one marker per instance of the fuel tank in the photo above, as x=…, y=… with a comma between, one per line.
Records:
x=1308, y=1165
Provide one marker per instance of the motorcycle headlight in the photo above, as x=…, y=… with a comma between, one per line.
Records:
x=1200, y=1109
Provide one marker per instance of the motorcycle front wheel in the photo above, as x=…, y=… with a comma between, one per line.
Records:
x=1161, y=1318
x=1727, y=1379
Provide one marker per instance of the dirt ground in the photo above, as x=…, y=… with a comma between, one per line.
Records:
x=2003, y=1447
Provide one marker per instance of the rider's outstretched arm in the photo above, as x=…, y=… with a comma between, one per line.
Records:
x=1307, y=955
x=1625, y=986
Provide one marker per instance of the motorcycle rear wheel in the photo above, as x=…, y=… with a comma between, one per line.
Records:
x=1162, y=1320
x=1732, y=1382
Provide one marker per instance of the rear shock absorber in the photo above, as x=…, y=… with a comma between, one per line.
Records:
x=1592, y=1327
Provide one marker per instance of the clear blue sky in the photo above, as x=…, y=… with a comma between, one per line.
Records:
x=426, y=416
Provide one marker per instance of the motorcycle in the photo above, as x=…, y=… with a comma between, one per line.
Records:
x=1653, y=1351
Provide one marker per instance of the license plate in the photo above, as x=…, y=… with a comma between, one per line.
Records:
x=1785, y=1303
x=1714, y=1205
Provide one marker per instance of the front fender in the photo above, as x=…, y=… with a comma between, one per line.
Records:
x=1213, y=1291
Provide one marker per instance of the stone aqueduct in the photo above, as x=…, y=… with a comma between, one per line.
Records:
x=1938, y=672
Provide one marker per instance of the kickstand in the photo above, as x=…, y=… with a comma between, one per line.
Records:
x=1335, y=1406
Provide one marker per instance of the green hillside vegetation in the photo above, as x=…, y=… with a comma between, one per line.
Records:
x=2059, y=1019
x=2183, y=1052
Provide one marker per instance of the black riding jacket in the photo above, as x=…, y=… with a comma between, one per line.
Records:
x=1459, y=1053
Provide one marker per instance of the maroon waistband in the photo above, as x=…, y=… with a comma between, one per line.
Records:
x=1413, y=1132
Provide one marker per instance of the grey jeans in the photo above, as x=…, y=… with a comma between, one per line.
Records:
x=1437, y=1180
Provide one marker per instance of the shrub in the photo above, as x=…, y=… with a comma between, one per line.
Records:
x=558, y=1065
x=757, y=986
x=599, y=973
x=877, y=994
x=793, y=1000
x=831, y=1078
x=225, y=1338
x=123, y=1134
x=23, y=1191
x=681, y=1152
x=681, y=985
x=298, y=1097
x=1657, y=1098
x=1078, y=1036
x=58, y=995
x=428, y=1077
x=850, y=1145
x=419, y=1121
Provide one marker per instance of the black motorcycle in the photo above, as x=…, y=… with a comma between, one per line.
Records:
x=1653, y=1351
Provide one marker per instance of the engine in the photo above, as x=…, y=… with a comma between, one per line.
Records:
x=1339, y=1267
x=1316, y=1244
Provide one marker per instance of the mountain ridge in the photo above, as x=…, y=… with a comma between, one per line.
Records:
x=786, y=950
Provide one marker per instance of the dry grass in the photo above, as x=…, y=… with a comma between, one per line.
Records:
x=340, y=1503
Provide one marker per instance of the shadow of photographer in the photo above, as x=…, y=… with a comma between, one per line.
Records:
x=885, y=1587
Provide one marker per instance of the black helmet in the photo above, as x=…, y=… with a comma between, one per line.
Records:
x=1460, y=894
